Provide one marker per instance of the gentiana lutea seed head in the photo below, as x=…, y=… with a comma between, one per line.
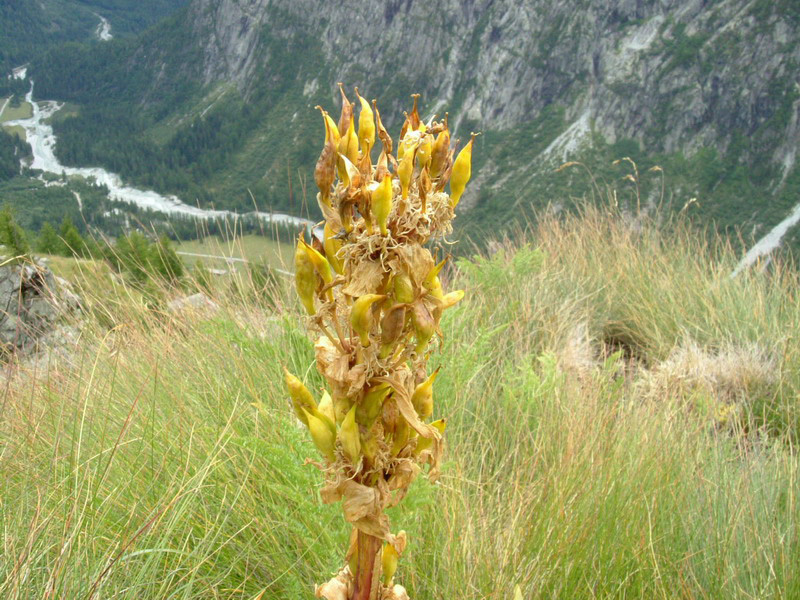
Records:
x=374, y=297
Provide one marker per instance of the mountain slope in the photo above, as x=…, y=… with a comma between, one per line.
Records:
x=32, y=26
x=706, y=90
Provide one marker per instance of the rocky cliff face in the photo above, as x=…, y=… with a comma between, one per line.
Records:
x=674, y=74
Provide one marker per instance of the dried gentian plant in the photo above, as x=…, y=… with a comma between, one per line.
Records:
x=374, y=299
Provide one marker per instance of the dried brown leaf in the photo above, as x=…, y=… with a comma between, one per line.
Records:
x=397, y=592
x=384, y=136
x=365, y=278
x=392, y=323
x=325, y=170
x=414, y=260
x=337, y=588
x=347, y=113
x=331, y=214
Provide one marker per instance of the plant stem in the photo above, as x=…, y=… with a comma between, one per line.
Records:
x=368, y=560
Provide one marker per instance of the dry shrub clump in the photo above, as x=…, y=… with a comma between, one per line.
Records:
x=374, y=300
x=721, y=383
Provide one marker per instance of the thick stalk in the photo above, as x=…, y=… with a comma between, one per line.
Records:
x=369, y=570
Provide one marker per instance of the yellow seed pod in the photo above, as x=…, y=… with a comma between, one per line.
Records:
x=452, y=298
x=422, y=398
x=403, y=288
x=369, y=447
x=341, y=150
x=352, y=143
x=329, y=423
x=368, y=409
x=404, y=172
x=322, y=437
x=326, y=407
x=331, y=129
x=424, y=151
x=347, y=147
x=382, y=203
x=435, y=289
x=350, y=437
x=352, y=176
x=305, y=278
x=425, y=443
x=322, y=267
x=302, y=400
x=424, y=325
x=430, y=279
x=366, y=126
x=341, y=406
x=462, y=171
x=402, y=433
x=332, y=245
x=361, y=316
x=389, y=563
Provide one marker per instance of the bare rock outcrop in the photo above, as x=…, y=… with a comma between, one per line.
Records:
x=34, y=305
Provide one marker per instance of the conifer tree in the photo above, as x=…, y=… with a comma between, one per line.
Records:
x=12, y=236
x=48, y=241
x=74, y=245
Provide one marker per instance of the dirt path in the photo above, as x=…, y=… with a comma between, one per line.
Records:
x=2, y=110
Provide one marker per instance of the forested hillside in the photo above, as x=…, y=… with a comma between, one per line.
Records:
x=31, y=27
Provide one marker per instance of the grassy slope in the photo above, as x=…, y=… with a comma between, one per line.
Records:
x=12, y=113
x=9, y=113
x=165, y=462
x=254, y=248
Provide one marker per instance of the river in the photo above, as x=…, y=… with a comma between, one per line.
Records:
x=103, y=31
x=43, y=142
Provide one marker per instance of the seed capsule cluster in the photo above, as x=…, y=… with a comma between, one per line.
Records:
x=373, y=295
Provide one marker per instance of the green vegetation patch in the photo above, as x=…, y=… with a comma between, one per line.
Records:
x=16, y=130
x=14, y=112
x=214, y=250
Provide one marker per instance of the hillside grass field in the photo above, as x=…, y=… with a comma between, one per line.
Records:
x=623, y=423
x=12, y=113
x=260, y=249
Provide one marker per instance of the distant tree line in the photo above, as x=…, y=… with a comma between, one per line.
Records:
x=141, y=258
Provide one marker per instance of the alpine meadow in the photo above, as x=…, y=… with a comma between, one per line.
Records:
x=396, y=300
